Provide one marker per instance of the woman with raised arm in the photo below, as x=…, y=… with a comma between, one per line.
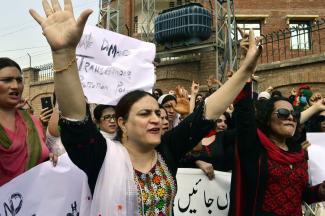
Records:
x=22, y=141
x=270, y=174
x=136, y=174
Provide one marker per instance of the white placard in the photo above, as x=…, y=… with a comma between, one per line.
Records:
x=316, y=153
x=197, y=195
x=112, y=64
x=46, y=190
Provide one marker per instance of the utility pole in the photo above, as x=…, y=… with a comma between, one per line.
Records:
x=226, y=37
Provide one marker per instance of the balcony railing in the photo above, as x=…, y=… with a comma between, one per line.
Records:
x=295, y=42
x=43, y=73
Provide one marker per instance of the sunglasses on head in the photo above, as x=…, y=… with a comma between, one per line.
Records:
x=285, y=113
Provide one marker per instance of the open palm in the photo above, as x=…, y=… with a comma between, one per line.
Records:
x=60, y=28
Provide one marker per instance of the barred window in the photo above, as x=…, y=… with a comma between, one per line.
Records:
x=247, y=25
x=300, y=35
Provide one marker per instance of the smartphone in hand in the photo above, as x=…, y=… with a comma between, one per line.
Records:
x=46, y=103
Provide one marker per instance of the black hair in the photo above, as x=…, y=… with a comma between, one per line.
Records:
x=263, y=116
x=167, y=98
x=159, y=93
x=7, y=62
x=314, y=123
x=98, y=111
x=124, y=106
x=228, y=120
x=276, y=93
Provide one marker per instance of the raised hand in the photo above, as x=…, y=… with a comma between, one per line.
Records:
x=59, y=26
x=195, y=88
x=211, y=81
x=244, y=43
x=320, y=104
x=251, y=50
x=183, y=104
x=269, y=89
x=315, y=97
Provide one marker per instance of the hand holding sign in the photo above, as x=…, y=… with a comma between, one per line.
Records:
x=111, y=65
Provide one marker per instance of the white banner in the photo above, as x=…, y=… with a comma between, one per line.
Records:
x=46, y=190
x=197, y=195
x=316, y=153
x=111, y=64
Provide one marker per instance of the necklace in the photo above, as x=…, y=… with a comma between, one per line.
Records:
x=152, y=161
x=156, y=189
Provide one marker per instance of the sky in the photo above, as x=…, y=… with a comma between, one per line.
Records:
x=20, y=34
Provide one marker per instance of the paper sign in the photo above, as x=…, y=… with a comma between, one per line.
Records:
x=316, y=153
x=197, y=195
x=111, y=65
x=47, y=190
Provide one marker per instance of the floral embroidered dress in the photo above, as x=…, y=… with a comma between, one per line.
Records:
x=157, y=190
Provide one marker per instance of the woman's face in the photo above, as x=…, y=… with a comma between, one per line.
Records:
x=143, y=126
x=107, y=121
x=164, y=121
x=221, y=123
x=281, y=125
x=11, y=87
x=198, y=99
x=169, y=106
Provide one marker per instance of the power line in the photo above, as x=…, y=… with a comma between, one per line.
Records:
x=17, y=30
x=34, y=24
x=33, y=53
x=5, y=28
x=26, y=48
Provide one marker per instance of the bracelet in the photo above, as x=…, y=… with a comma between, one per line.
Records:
x=63, y=69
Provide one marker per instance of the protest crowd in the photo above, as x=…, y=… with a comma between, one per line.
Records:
x=131, y=151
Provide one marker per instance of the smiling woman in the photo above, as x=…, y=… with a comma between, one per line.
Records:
x=21, y=135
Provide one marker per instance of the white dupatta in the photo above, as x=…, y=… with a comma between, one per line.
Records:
x=115, y=192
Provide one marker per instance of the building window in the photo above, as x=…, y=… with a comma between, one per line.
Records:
x=179, y=2
x=300, y=35
x=171, y=4
x=247, y=25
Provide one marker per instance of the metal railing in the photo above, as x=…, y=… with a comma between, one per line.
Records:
x=43, y=73
x=294, y=42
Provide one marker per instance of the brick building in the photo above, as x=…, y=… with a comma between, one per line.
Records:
x=293, y=37
x=293, y=31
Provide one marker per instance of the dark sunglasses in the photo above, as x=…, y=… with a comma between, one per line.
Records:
x=285, y=113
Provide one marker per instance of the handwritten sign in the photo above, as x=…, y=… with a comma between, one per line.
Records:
x=197, y=195
x=47, y=190
x=111, y=65
x=316, y=154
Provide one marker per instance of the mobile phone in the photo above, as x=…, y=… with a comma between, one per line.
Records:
x=46, y=102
